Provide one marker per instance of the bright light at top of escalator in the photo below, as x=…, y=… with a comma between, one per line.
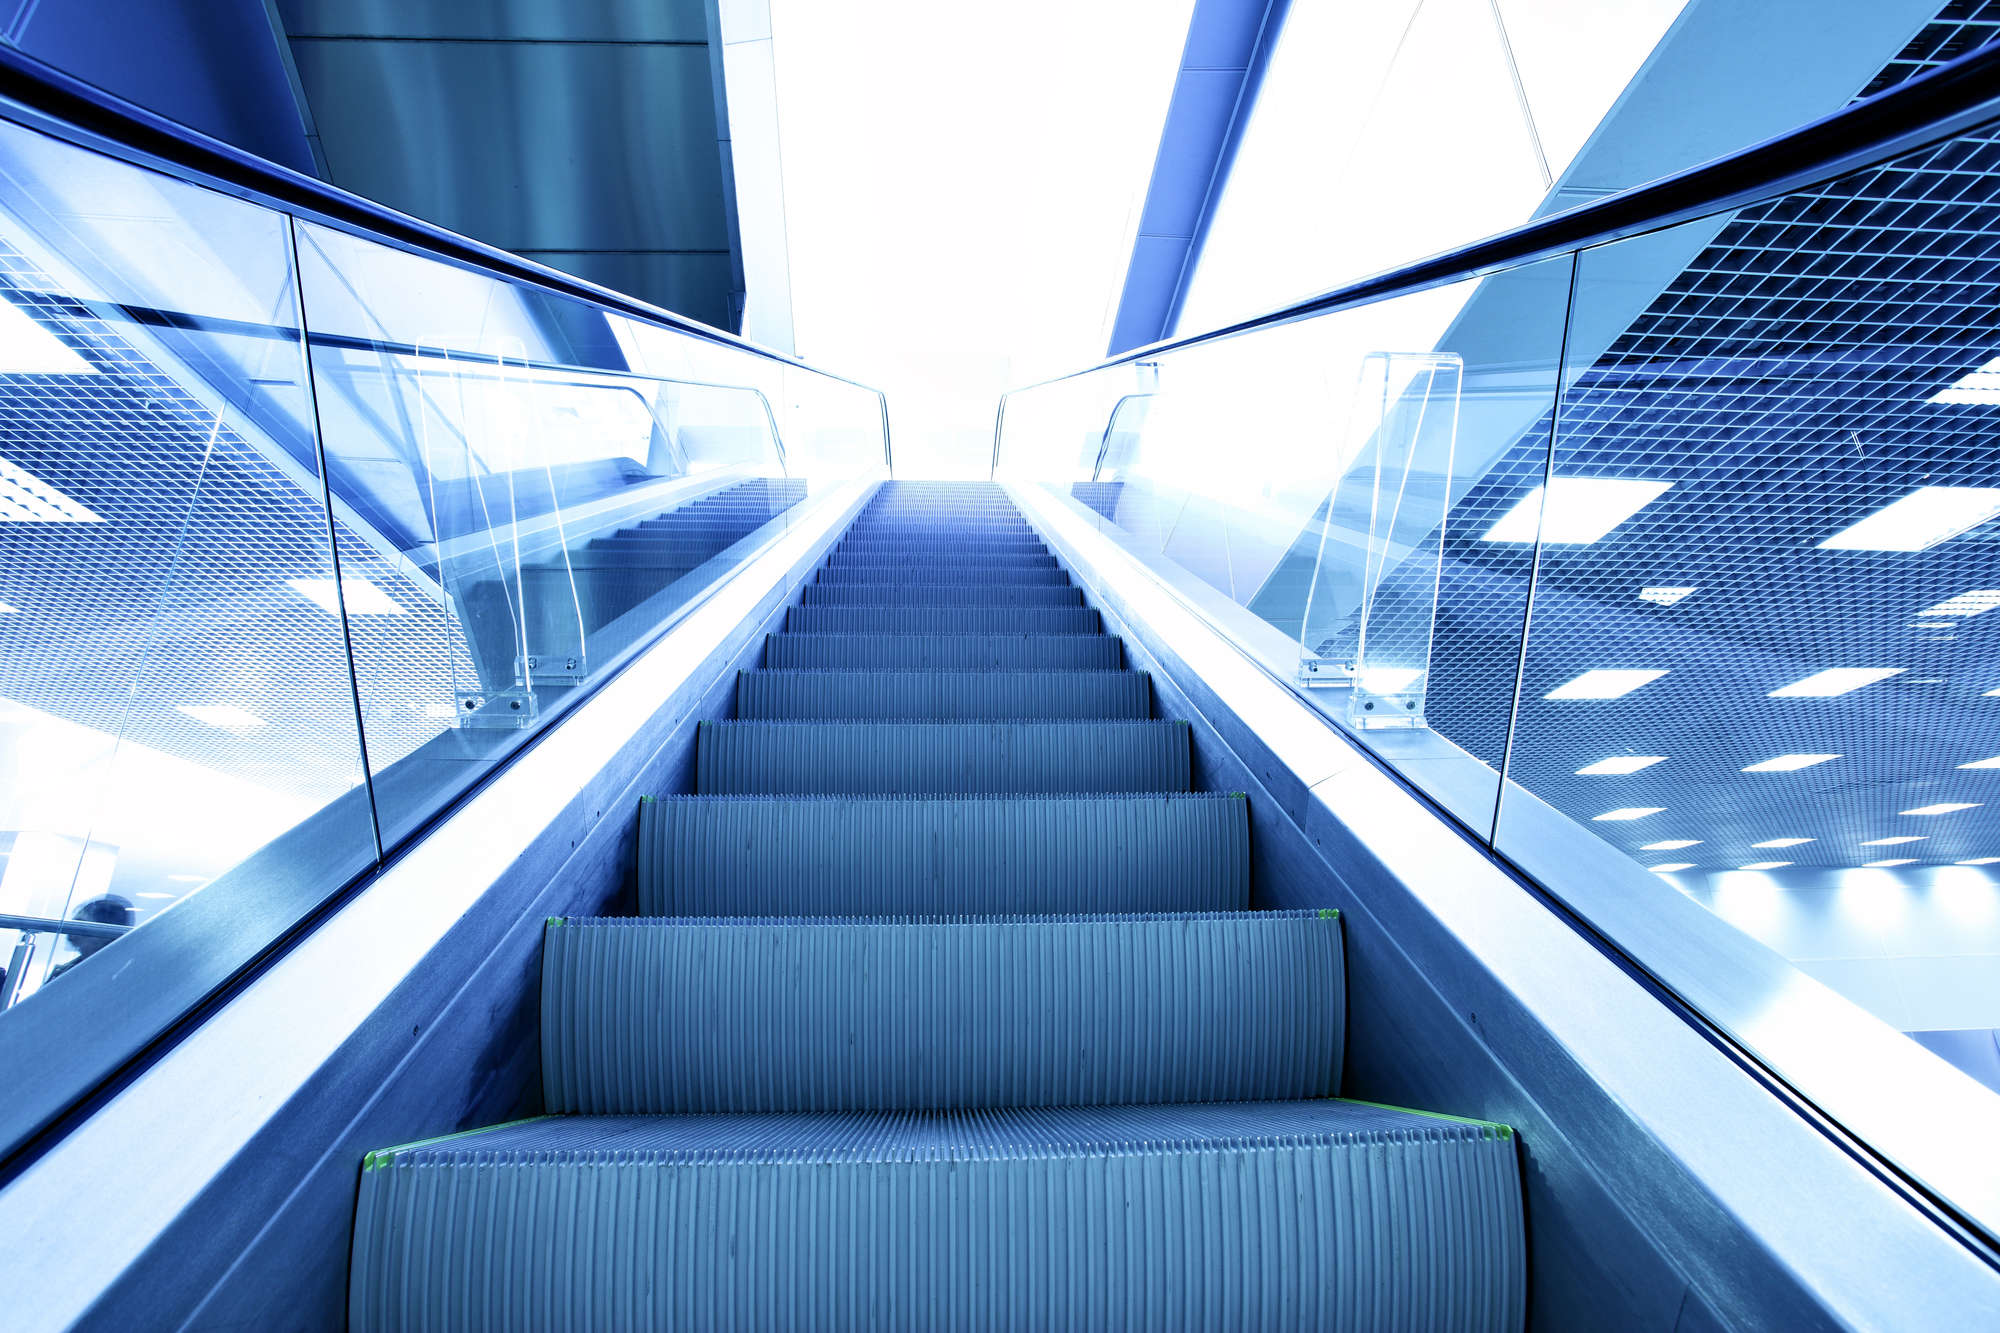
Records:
x=1920, y=520
x=363, y=598
x=1969, y=603
x=26, y=498
x=1580, y=510
x=26, y=348
x=1944, y=808
x=1788, y=763
x=1977, y=386
x=1620, y=764
x=1834, y=680
x=1603, y=683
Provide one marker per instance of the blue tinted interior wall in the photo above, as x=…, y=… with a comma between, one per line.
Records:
x=214, y=65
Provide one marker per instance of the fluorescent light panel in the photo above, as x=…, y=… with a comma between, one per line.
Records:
x=26, y=498
x=363, y=597
x=1788, y=763
x=27, y=348
x=1994, y=762
x=1619, y=764
x=1664, y=596
x=1981, y=385
x=1580, y=510
x=1670, y=867
x=1976, y=601
x=1944, y=808
x=1782, y=842
x=1671, y=845
x=1764, y=865
x=1979, y=861
x=1834, y=680
x=1603, y=683
x=221, y=715
x=1892, y=861
x=1895, y=841
x=1920, y=520
x=1626, y=812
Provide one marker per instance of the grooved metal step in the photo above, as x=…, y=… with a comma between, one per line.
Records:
x=1321, y=1214
x=942, y=620
x=941, y=594
x=1011, y=652
x=941, y=695
x=800, y=1014
x=1043, y=574
x=901, y=856
x=939, y=758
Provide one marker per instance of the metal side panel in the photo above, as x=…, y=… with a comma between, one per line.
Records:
x=825, y=856
x=812, y=1014
x=941, y=695
x=1287, y=1215
x=1015, y=652
x=943, y=758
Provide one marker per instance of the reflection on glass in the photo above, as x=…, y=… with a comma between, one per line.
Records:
x=175, y=692
x=1294, y=484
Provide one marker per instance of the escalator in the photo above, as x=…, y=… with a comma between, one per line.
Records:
x=944, y=1007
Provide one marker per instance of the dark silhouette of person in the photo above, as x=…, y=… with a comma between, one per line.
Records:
x=106, y=910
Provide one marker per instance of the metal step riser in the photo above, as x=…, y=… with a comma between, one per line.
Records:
x=857, y=1016
x=941, y=594
x=953, y=652
x=777, y=856
x=941, y=695
x=941, y=620
x=945, y=758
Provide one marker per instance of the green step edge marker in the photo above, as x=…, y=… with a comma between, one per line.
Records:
x=1329, y=914
x=1493, y=1127
x=383, y=1156
x=553, y=922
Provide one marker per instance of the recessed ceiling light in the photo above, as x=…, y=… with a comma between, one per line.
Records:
x=1625, y=812
x=1580, y=510
x=27, y=348
x=1786, y=763
x=1979, y=861
x=1671, y=845
x=1764, y=865
x=1994, y=762
x=1664, y=596
x=1895, y=841
x=1670, y=867
x=1920, y=520
x=1972, y=603
x=1604, y=684
x=1993, y=694
x=9, y=609
x=221, y=715
x=1975, y=386
x=26, y=498
x=1944, y=808
x=363, y=598
x=1782, y=842
x=1935, y=624
x=1619, y=764
x=1892, y=861
x=1834, y=680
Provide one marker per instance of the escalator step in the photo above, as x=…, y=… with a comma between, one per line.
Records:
x=889, y=856
x=941, y=594
x=1317, y=1214
x=942, y=695
x=945, y=560
x=1043, y=574
x=942, y=620
x=939, y=758
x=666, y=1016
x=1006, y=652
